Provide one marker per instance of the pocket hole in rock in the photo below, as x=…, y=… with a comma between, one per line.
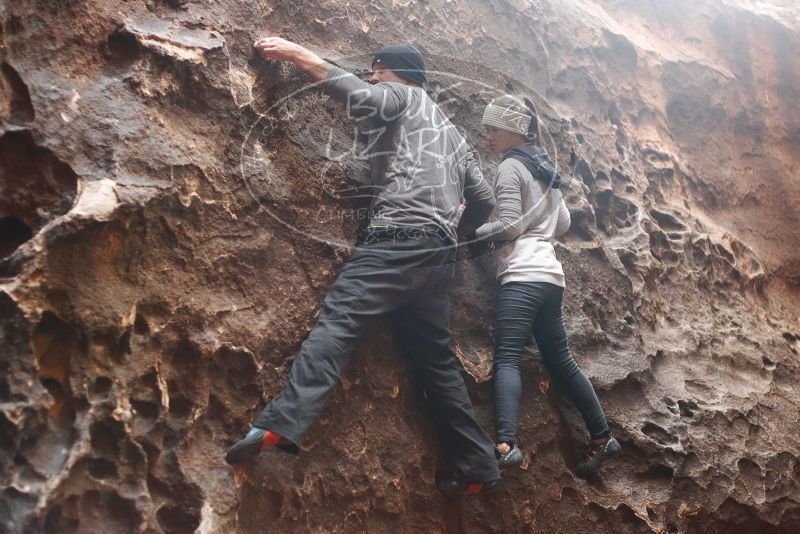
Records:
x=102, y=469
x=101, y=386
x=13, y=233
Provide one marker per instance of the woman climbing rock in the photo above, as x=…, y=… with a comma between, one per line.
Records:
x=530, y=212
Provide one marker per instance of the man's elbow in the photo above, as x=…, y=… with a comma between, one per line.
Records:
x=485, y=204
x=490, y=202
x=484, y=209
x=475, y=215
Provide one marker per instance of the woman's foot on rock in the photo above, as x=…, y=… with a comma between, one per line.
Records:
x=599, y=452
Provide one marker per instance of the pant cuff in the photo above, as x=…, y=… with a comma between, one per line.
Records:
x=506, y=439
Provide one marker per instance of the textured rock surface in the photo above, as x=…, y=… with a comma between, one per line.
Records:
x=151, y=302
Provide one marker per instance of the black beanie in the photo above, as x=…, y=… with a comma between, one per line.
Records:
x=405, y=61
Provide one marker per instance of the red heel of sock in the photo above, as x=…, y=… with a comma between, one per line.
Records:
x=269, y=439
x=474, y=488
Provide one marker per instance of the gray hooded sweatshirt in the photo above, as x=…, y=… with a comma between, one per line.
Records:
x=421, y=166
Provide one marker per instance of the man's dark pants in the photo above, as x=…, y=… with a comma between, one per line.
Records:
x=408, y=280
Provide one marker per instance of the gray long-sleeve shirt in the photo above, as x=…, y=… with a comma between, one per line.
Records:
x=421, y=166
x=528, y=216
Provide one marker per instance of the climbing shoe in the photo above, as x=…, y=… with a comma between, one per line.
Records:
x=598, y=453
x=452, y=487
x=509, y=459
x=251, y=445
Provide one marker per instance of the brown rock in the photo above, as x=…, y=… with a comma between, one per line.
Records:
x=172, y=210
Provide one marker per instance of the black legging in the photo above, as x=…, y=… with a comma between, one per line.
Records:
x=523, y=307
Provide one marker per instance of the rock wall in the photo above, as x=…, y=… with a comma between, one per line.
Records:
x=167, y=238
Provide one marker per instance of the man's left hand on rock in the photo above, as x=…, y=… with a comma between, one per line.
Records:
x=277, y=48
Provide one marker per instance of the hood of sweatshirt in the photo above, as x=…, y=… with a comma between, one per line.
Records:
x=537, y=162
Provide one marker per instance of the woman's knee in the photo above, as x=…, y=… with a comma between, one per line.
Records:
x=507, y=365
x=563, y=367
x=509, y=348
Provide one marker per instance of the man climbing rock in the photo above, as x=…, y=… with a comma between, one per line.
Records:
x=401, y=266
